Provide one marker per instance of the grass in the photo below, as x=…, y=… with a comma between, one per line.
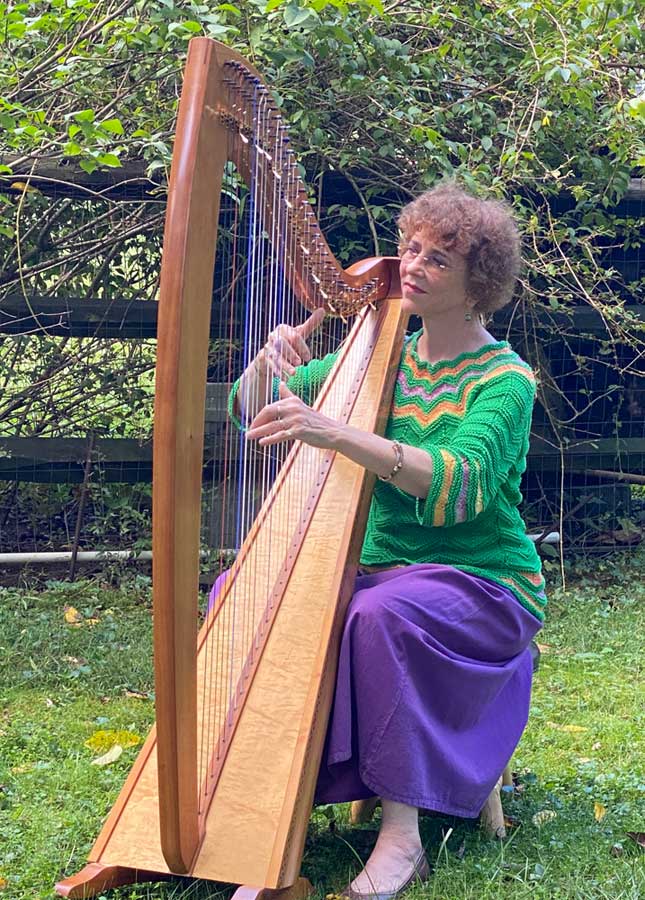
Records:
x=580, y=763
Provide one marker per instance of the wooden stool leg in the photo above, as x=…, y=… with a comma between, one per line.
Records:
x=492, y=815
x=363, y=810
x=507, y=777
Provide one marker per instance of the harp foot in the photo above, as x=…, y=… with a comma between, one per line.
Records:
x=95, y=878
x=298, y=891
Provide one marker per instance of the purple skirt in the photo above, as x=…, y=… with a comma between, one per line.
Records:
x=432, y=692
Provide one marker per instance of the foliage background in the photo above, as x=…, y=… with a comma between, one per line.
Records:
x=536, y=102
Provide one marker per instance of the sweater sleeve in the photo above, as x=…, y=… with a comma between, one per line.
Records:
x=308, y=379
x=469, y=470
x=305, y=383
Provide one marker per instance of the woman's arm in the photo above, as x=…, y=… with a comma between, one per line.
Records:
x=290, y=418
x=285, y=348
x=456, y=480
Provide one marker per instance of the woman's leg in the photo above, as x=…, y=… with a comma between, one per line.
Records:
x=397, y=850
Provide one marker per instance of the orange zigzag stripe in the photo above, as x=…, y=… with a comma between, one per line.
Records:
x=450, y=406
x=421, y=372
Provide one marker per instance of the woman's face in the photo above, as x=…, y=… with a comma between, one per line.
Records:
x=433, y=279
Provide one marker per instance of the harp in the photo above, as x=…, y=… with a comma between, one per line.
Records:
x=223, y=786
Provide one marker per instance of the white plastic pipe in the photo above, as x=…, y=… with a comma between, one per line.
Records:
x=96, y=556
x=83, y=556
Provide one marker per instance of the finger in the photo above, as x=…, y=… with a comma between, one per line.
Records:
x=283, y=354
x=266, y=431
x=272, y=412
x=307, y=328
x=279, y=437
x=284, y=392
x=300, y=346
x=279, y=367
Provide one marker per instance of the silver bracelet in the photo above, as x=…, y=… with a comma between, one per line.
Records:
x=398, y=465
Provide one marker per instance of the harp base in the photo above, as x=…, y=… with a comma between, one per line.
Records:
x=95, y=878
x=300, y=890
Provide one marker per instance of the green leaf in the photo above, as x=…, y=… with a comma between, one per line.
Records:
x=294, y=15
x=88, y=165
x=218, y=29
x=109, y=159
x=114, y=126
x=85, y=115
x=487, y=142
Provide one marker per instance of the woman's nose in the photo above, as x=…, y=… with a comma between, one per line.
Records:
x=416, y=263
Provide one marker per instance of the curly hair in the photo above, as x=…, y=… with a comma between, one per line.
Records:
x=482, y=231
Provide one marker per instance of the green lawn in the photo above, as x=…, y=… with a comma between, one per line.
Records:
x=581, y=761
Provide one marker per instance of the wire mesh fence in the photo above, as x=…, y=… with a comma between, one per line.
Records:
x=78, y=317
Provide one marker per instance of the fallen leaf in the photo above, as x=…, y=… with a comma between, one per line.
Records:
x=617, y=850
x=543, y=648
x=599, y=811
x=109, y=757
x=596, y=746
x=74, y=660
x=102, y=740
x=544, y=816
x=138, y=695
x=50, y=703
x=638, y=836
x=538, y=872
x=73, y=616
x=573, y=729
x=511, y=821
x=23, y=186
x=3, y=883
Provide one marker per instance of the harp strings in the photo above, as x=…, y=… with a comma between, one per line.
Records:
x=270, y=256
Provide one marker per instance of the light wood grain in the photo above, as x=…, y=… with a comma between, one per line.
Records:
x=250, y=823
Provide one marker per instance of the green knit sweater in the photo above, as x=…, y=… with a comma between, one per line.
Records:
x=472, y=415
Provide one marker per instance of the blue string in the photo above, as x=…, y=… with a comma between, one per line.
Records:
x=239, y=537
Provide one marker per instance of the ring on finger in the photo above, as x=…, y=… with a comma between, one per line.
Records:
x=289, y=433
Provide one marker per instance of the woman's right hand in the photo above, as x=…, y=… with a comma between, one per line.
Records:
x=286, y=347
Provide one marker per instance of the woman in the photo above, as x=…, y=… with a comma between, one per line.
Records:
x=434, y=676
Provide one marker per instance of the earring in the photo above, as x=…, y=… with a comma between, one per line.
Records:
x=468, y=317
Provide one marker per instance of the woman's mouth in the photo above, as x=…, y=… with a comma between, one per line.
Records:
x=413, y=287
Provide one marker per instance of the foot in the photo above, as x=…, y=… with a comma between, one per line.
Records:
x=393, y=865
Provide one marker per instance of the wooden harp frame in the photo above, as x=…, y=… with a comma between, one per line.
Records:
x=157, y=828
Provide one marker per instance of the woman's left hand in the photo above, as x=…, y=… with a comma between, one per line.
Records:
x=290, y=419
